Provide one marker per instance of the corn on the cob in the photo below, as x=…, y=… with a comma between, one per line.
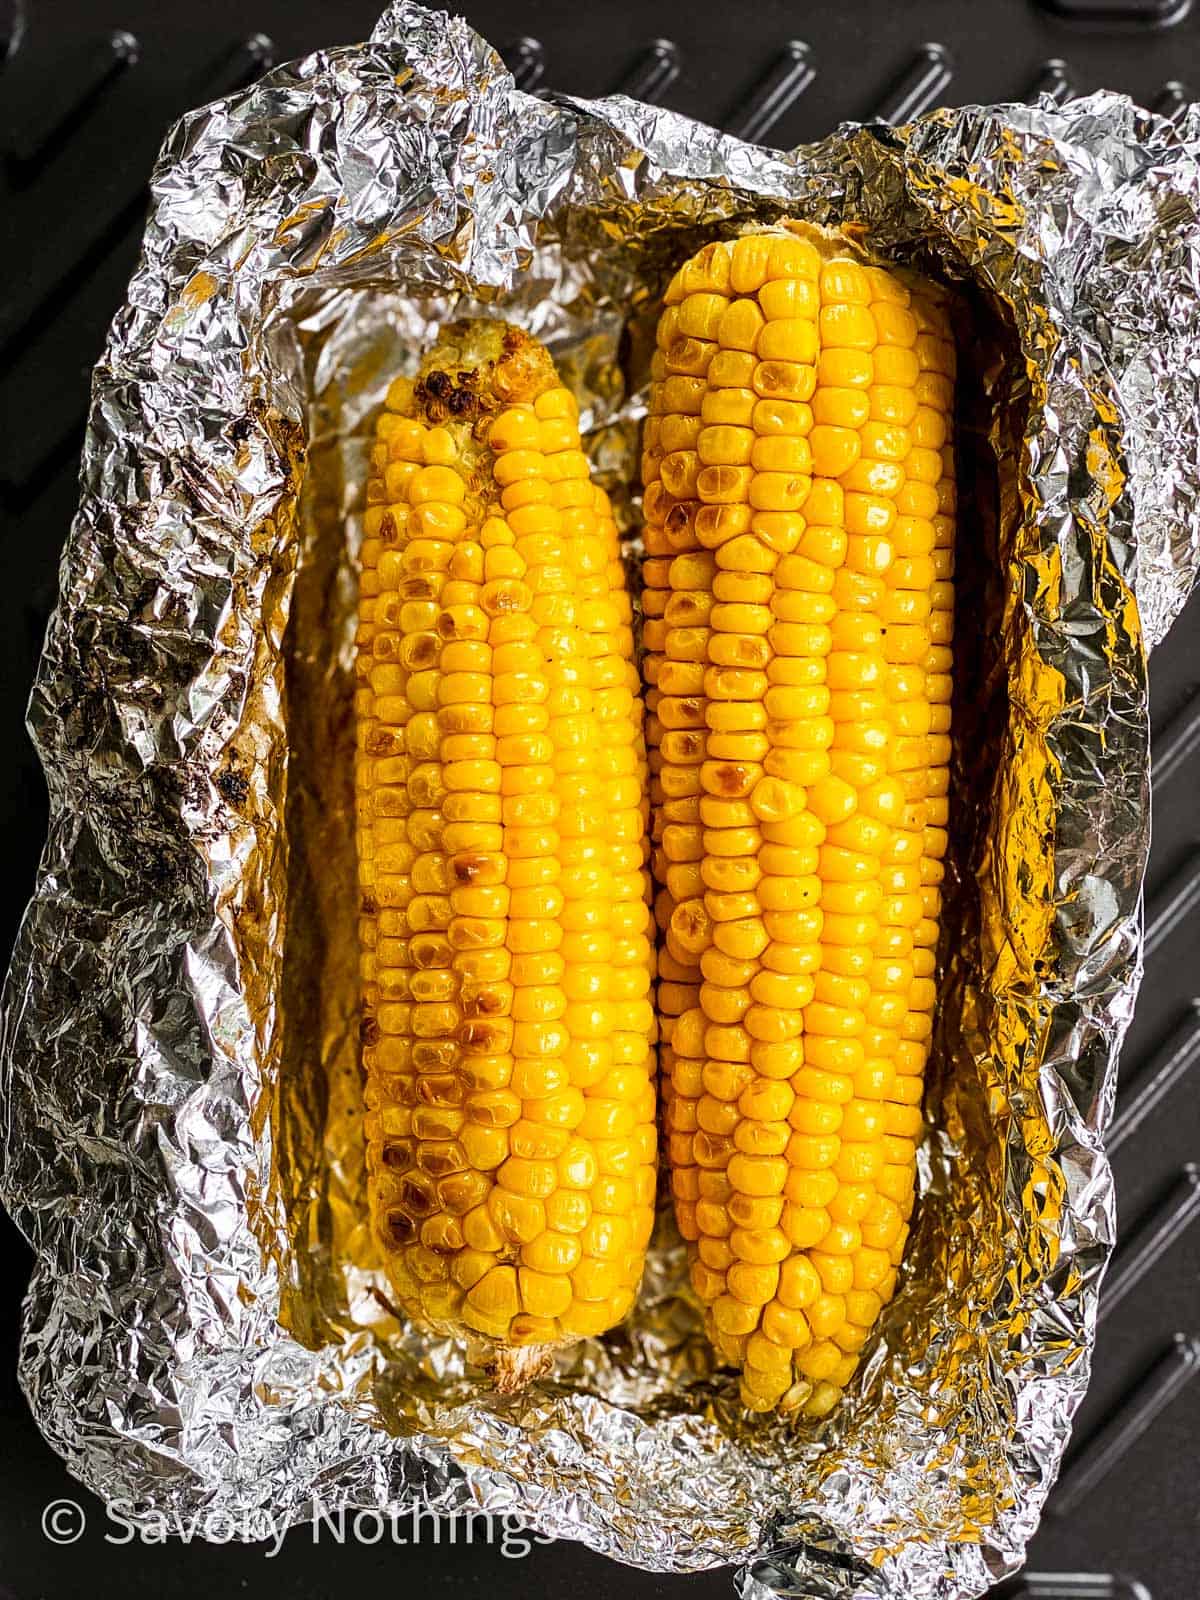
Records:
x=505, y=928
x=799, y=508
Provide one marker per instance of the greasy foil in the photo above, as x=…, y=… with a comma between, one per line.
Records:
x=182, y=1130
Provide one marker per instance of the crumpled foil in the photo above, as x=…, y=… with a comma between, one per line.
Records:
x=182, y=1128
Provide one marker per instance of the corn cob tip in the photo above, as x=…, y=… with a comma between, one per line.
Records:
x=476, y=368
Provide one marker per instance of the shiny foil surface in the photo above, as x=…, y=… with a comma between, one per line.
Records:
x=207, y=1327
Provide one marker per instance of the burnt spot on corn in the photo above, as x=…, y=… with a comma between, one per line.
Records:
x=380, y=742
x=433, y=393
x=417, y=1196
x=422, y=651
x=426, y=951
x=457, y=394
x=689, y=918
x=466, y=868
x=397, y=1229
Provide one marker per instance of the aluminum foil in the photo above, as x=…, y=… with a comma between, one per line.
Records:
x=181, y=1131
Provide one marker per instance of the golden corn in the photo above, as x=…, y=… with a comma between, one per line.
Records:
x=799, y=509
x=505, y=928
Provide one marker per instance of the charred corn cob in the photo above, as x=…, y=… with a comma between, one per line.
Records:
x=505, y=927
x=799, y=509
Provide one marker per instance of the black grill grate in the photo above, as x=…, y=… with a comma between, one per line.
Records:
x=85, y=97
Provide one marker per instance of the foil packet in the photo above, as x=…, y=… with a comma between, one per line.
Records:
x=182, y=1142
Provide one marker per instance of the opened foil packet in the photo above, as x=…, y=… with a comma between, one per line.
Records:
x=207, y=1328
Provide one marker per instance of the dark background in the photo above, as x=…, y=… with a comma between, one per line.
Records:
x=86, y=92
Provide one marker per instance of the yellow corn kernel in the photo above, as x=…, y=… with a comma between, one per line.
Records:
x=733, y=1316
x=543, y=1294
x=740, y=325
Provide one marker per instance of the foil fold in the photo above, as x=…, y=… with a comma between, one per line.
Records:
x=181, y=1140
